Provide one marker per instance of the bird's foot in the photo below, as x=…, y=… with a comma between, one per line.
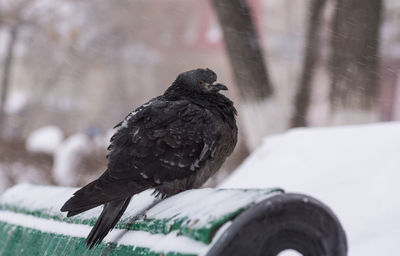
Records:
x=159, y=195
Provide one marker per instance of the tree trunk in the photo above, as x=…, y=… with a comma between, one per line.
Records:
x=311, y=53
x=244, y=50
x=5, y=82
x=354, y=61
x=249, y=69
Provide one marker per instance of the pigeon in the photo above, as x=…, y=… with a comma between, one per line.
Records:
x=172, y=143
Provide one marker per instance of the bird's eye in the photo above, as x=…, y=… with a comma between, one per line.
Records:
x=200, y=82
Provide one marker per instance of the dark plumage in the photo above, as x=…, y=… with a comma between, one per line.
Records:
x=172, y=143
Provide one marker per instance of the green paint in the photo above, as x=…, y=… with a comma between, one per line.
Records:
x=184, y=226
x=153, y=226
x=22, y=241
x=205, y=234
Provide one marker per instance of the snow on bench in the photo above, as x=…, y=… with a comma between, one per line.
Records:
x=186, y=224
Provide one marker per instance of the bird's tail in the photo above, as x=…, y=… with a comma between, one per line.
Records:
x=104, y=189
x=83, y=200
x=109, y=217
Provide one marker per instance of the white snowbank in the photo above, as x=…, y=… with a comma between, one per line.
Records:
x=67, y=158
x=355, y=170
x=44, y=140
x=16, y=102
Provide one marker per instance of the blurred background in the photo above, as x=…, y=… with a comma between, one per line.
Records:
x=71, y=70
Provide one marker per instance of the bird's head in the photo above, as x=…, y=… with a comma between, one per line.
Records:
x=200, y=80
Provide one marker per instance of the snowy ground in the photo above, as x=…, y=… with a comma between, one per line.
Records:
x=355, y=170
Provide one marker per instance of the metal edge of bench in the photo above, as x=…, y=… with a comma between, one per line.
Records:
x=286, y=221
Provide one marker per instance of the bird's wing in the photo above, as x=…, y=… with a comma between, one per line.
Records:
x=162, y=142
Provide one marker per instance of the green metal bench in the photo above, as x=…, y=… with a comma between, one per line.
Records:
x=196, y=222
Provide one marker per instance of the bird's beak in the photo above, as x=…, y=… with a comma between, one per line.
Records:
x=219, y=87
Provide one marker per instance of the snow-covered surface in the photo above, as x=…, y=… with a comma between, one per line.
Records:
x=156, y=242
x=26, y=196
x=44, y=140
x=198, y=205
x=199, y=208
x=355, y=170
x=67, y=158
x=52, y=198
